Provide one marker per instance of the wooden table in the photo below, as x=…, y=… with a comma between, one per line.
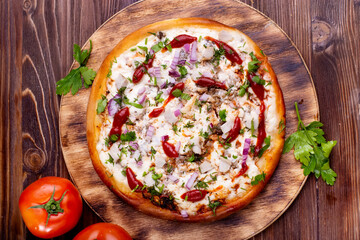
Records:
x=36, y=50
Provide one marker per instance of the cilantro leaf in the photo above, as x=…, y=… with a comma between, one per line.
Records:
x=222, y=115
x=177, y=93
x=312, y=149
x=255, y=180
x=73, y=81
x=101, y=104
x=127, y=137
x=88, y=75
x=264, y=148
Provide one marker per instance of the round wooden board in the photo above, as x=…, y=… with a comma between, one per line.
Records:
x=294, y=79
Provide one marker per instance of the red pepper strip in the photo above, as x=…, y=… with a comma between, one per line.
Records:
x=157, y=111
x=261, y=129
x=142, y=69
x=230, y=53
x=119, y=119
x=242, y=171
x=235, y=131
x=169, y=149
x=194, y=195
x=259, y=91
x=181, y=40
x=257, y=88
x=132, y=181
x=209, y=82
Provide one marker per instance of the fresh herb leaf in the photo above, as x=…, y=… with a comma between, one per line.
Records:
x=73, y=80
x=183, y=71
x=222, y=115
x=264, y=148
x=191, y=159
x=213, y=205
x=185, y=96
x=126, y=101
x=201, y=185
x=127, y=137
x=255, y=180
x=217, y=56
x=281, y=126
x=110, y=160
x=177, y=93
x=253, y=65
x=189, y=125
x=258, y=80
x=204, y=134
x=101, y=105
x=311, y=149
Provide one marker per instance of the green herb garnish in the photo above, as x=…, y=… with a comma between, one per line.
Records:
x=312, y=149
x=74, y=79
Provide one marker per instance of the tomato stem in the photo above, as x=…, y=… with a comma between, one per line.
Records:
x=52, y=207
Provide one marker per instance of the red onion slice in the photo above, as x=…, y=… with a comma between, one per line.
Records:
x=187, y=47
x=163, y=85
x=175, y=60
x=165, y=138
x=139, y=163
x=184, y=214
x=204, y=97
x=142, y=99
x=113, y=107
x=134, y=145
x=150, y=132
x=141, y=90
x=182, y=62
x=177, y=112
x=193, y=57
x=246, y=149
x=173, y=73
x=191, y=180
x=173, y=178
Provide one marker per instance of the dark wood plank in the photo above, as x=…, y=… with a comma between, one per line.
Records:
x=334, y=68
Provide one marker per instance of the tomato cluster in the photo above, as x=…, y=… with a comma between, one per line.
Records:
x=52, y=206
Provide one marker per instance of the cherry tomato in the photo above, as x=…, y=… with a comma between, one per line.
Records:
x=103, y=231
x=50, y=207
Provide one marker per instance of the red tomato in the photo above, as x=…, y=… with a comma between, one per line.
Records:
x=103, y=231
x=50, y=207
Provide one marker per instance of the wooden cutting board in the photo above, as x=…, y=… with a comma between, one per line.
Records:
x=294, y=79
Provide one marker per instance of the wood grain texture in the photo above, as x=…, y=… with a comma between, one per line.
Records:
x=293, y=78
x=319, y=212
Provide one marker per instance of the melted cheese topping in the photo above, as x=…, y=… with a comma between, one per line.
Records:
x=218, y=165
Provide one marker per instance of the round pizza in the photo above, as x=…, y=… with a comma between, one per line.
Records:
x=186, y=120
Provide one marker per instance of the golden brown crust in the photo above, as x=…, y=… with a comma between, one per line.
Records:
x=270, y=158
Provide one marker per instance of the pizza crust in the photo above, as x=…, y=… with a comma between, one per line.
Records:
x=267, y=163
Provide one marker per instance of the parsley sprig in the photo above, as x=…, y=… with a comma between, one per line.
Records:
x=74, y=79
x=312, y=149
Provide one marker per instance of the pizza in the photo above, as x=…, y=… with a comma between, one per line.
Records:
x=186, y=120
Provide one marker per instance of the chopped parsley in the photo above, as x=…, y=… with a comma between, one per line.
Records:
x=201, y=184
x=183, y=71
x=258, y=80
x=264, y=148
x=255, y=180
x=179, y=93
x=127, y=102
x=127, y=137
x=217, y=56
x=213, y=205
x=204, y=134
x=189, y=124
x=253, y=65
x=243, y=88
x=281, y=126
x=222, y=115
x=101, y=105
x=110, y=160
